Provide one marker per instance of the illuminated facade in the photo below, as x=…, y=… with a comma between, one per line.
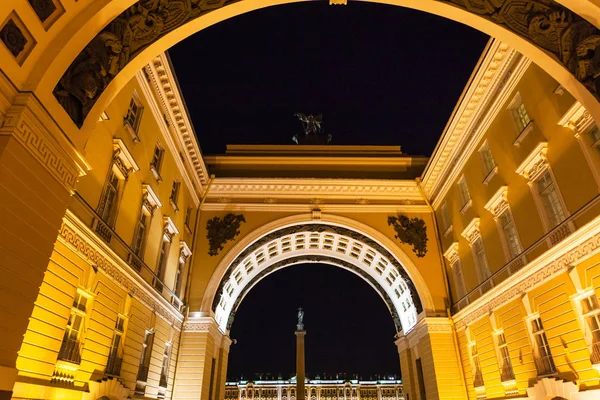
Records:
x=316, y=389
x=135, y=295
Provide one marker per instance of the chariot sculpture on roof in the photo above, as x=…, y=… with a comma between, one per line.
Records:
x=313, y=130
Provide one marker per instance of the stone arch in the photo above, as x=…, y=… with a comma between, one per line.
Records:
x=124, y=36
x=331, y=239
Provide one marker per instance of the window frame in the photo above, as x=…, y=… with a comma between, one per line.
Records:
x=464, y=194
x=517, y=110
x=158, y=156
x=133, y=126
x=488, y=163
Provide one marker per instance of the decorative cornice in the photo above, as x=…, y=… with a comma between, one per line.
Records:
x=185, y=249
x=307, y=206
x=325, y=189
x=75, y=235
x=577, y=119
x=472, y=232
x=28, y=122
x=495, y=77
x=573, y=250
x=452, y=253
x=170, y=229
x=499, y=202
x=535, y=163
x=151, y=196
x=122, y=152
x=172, y=102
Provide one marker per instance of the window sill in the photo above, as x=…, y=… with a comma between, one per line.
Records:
x=490, y=175
x=523, y=134
x=466, y=207
x=155, y=173
x=132, y=131
x=448, y=230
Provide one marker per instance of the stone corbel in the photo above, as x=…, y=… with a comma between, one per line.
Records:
x=498, y=203
x=535, y=163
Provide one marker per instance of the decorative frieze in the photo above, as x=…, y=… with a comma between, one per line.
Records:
x=535, y=163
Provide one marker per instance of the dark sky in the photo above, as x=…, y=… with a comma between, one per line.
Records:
x=349, y=328
x=379, y=74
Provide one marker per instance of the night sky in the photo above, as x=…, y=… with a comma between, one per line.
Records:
x=380, y=75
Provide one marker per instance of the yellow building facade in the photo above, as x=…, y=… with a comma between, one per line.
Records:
x=123, y=260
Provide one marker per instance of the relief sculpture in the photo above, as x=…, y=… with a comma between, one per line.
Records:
x=573, y=41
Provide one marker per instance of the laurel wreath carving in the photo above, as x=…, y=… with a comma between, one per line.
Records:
x=411, y=231
x=221, y=231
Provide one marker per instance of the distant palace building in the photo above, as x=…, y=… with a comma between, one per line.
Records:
x=316, y=389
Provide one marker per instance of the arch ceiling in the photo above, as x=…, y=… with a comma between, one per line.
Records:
x=318, y=242
x=571, y=42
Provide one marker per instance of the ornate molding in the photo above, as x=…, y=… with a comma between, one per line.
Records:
x=577, y=119
x=535, y=163
x=500, y=70
x=124, y=156
x=472, y=232
x=451, y=254
x=77, y=237
x=571, y=251
x=29, y=123
x=499, y=202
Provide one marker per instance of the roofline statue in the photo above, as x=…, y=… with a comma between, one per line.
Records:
x=313, y=130
x=300, y=326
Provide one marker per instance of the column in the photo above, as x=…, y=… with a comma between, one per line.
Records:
x=300, y=390
x=38, y=171
x=197, y=366
x=222, y=367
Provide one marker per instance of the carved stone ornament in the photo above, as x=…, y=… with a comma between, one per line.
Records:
x=220, y=231
x=43, y=8
x=551, y=27
x=411, y=231
x=13, y=38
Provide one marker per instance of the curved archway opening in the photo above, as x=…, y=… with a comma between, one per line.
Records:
x=314, y=241
x=349, y=330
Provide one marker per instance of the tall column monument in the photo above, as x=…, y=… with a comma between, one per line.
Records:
x=300, y=332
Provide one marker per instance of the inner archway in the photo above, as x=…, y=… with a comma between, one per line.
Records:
x=349, y=330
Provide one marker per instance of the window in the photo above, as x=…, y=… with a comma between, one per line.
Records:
x=486, y=158
x=70, y=349
x=459, y=279
x=164, y=370
x=480, y=259
x=113, y=365
x=163, y=257
x=156, y=163
x=188, y=219
x=519, y=113
x=511, y=236
x=463, y=190
x=139, y=240
x=184, y=254
x=594, y=135
x=550, y=199
x=446, y=222
x=108, y=204
x=542, y=355
x=134, y=116
x=506, y=369
x=145, y=358
x=477, y=375
x=591, y=315
x=175, y=195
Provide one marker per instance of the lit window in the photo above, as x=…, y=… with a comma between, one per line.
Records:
x=110, y=198
x=113, y=365
x=445, y=217
x=594, y=135
x=549, y=196
x=520, y=114
x=591, y=315
x=156, y=163
x=480, y=258
x=513, y=243
x=175, y=195
x=142, y=375
x=163, y=257
x=506, y=369
x=477, y=374
x=486, y=158
x=70, y=349
x=134, y=116
x=459, y=279
x=463, y=190
x=164, y=370
x=139, y=240
x=542, y=355
x=188, y=219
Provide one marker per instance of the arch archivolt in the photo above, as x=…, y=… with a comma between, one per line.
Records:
x=335, y=240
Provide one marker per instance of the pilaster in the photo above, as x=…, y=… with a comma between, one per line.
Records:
x=38, y=171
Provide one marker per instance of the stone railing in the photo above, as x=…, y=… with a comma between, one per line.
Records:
x=550, y=239
x=88, y=216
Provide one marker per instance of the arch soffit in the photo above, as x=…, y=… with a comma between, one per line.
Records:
x=407, y=265
x=554, y=37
